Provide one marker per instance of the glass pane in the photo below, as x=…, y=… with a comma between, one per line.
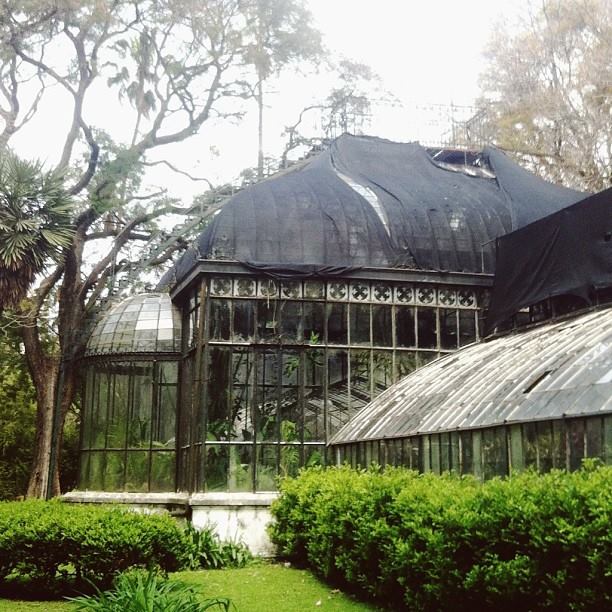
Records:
x=267, y=320
x=530, y=448
x=467, y=326
x=454, y=452
x=374, y=453
x=338, y=397
x=194, y=316
x=218, y=394
x=164, y=417
x=291, y=325
x=425, y=454
x=266, y=469
x=545, y=444
x=118, y=409
x=139, y=419
x=467, y=452
x=405, y=335
x=88, y=408
x=220, y=317
x=114, y=464
x=243, y=375
x=268, y=395
x=414, y=454
x=360, y=379
x=494, y=452
x=314, y=322
x=425, y=358
x=217, y=467
x=382, y=328
x=448, y=329
x=162, y=471
x=405, y=363
x=337, y=324
x=594, y=437
x=314, y=404
x=240, y=468
x=244, y=321
x=426, y=325
x=360, y=323
x=84, y=471
x=96, y=472
x=434, y=441
x=291, y=397
x=314, y=455
x=559, y=441
x=576, y=443
x=382, y=370
x=477, y=453
x=137, y=475
x=102, y=397
x=516, y=449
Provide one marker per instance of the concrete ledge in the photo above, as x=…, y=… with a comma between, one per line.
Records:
x=102, y=497
x=232, y=499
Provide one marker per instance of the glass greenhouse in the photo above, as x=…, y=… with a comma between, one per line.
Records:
x=538, y=397
x=307, y=296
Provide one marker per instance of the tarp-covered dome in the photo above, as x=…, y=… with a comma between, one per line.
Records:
x=368, y=202
x=557, y=370
x=146, y=323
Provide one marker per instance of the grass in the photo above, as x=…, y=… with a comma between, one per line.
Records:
x=259, y=587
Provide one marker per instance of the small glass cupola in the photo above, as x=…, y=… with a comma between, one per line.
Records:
x=128, y=439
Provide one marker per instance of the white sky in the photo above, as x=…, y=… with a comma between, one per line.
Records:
x=425, y=53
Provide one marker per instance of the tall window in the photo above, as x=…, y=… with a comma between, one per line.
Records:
x=283, y=365
x=129, y=426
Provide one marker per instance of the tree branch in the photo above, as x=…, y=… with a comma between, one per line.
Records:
x=165, y=162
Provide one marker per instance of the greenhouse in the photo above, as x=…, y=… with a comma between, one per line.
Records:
x=307, y=296
x=539, y=396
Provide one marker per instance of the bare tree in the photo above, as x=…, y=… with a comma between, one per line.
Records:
x=346, y=108
x=548, y=87
x=278, y=32
x=178, y=63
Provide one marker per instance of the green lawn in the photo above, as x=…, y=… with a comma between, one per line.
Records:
x=260, y=587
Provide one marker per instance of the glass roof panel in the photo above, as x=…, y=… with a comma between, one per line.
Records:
x=146, y=323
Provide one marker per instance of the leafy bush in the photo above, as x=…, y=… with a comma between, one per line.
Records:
x=426, y=542
x=50, y=547
x=147, y=591
x=207, y=551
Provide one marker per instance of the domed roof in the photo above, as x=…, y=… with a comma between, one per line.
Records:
x=556, y=370
x=368, y=202
x=146, y=323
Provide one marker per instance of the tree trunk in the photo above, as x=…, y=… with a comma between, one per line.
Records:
x=44, y=371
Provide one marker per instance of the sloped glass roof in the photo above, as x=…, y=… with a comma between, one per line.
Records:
x=560, y=369
x=146, y=323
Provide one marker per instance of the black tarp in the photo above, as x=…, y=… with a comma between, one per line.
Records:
x=427, y=217
x=566, y=253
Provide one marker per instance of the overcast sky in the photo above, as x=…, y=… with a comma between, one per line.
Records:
x=426, y=53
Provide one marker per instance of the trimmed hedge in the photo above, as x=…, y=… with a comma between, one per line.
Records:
x=427, y=542
x=54, y=548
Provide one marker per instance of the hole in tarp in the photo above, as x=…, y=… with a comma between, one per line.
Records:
x=607, y=236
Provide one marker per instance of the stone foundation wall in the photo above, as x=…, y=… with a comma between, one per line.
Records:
x=233, y=516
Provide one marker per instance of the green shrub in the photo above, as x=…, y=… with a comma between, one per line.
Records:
x=147, y=591
x=207, y=551
x=426, y=542
x=52, y=547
